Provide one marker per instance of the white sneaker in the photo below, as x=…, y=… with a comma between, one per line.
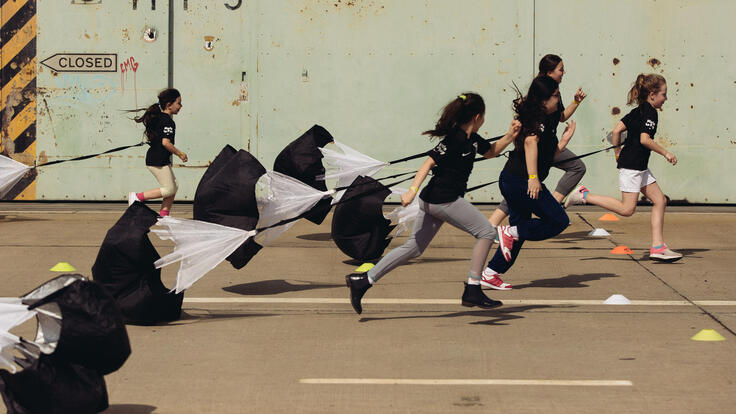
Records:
x=132, y=198
x=576, y=197
x=664, y=254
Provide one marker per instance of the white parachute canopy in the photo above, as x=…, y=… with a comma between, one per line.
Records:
x=11, y=172
x=347, y=165
x=8, y=342
x=13, y=313
x=403, y=217
x=282, y=197
x=200, y=247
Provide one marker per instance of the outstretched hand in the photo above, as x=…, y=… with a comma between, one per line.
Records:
x=569, y=130
x=670, y=158
x=514, y=128
x=407, y=198
x=579, y=95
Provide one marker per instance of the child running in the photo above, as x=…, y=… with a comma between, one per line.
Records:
x=521, y=179
x=552, y=66
x=650, y=93
x=451, y=162
x=160, y=131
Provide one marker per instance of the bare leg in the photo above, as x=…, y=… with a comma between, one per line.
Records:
x=559, y=196
x=655, y=195
x=625, y=207
x=151, y=194
x=497, y=217
x=167, y=203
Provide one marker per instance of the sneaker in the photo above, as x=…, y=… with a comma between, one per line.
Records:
x=493, y=281
x=505, y=241
x=132, y=198
x=474, y=296
x=664, y=254
x=576, y=197
x=358, y=284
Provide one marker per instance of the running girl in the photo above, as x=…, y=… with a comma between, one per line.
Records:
x=442, y=199
x=650, y=93
x=552, y=66
x=160, y=131
x=521, y=179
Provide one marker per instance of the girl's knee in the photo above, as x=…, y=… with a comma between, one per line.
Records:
x=169, y=191
x=628, y=211
x=487, y=232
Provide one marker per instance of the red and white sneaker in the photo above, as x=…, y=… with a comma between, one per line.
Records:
x=576, y=197
x=664, y=254
x=493, y=281
x=505, y=241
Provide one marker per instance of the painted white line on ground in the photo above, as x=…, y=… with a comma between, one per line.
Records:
x=389, y=381
x=454, y=301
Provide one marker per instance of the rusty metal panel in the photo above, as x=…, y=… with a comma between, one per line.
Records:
x=377, y=73
x=605, y=45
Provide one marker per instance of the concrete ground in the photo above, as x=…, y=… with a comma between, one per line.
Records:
x=279, y=335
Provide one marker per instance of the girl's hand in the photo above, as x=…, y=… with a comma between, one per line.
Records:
x=407, y=198
x=514, y=128
x=569, y=130
x=533, y=188
x=670, y=158
x=579, y=95
x=617, y=153
x=183, y=156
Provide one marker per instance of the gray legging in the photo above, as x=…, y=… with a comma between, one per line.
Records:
x=574, y=172
x=459, y=213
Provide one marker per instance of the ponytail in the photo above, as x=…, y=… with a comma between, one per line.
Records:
x=165, y=97
x=643, y=85
x=459, y=111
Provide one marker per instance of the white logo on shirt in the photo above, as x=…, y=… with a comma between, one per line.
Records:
x=441, y=148
x=541, y=127
x=168, y=130
x=650, y=124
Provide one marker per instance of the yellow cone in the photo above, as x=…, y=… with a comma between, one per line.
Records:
x=708, y=335
x=364, y=268
x=63, y=267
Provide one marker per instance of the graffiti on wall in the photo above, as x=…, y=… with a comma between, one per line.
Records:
x=126, y=67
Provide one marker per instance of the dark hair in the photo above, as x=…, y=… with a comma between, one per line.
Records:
x=165, y=97
x=643, y=85
x=459, y=111
x=529, y=109
x=548, y=63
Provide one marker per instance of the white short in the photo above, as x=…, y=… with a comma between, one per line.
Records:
x=632, y=181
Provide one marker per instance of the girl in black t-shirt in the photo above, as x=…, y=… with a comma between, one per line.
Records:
x=552, y=66
x=521, y=179
x=451, y=162
x=160, y=131
x=650, y=93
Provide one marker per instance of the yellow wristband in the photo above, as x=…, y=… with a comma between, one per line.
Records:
x=532, y=176
x=577, y=101
x=414, y=189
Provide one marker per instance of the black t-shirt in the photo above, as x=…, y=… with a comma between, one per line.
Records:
x=634, y=155
x=546, y=150
x=454, y=157
x=162, y=126
x=553, y=120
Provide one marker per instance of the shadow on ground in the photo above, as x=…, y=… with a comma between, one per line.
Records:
x=315, y=236
x=499, y=316
x=569, y=281
x=130, y=409
x=276, y=286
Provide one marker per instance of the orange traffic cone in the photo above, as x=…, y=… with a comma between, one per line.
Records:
x=621, y=250
x=609, y=217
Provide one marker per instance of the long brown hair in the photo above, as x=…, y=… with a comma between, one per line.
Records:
x=459, y=111
x=643, y=85
x=165, y=97
x=530, y=108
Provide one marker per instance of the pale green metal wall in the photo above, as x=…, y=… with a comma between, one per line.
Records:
x=376, y=73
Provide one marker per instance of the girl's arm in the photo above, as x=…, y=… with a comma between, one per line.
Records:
x=647, y=141
x=172, y=149
x=570, y=109
x=569, y=131
x=530, y=152
x=498, y=146
x=616, y=138
x=408, y=196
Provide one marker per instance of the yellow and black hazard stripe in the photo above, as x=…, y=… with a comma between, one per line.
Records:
x=18, y=94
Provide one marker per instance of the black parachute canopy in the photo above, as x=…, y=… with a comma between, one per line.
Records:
x=359, y=228
x=124, y=266
x=226, y=195
x=302, y=159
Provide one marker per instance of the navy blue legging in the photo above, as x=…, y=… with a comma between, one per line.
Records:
x=551, y=222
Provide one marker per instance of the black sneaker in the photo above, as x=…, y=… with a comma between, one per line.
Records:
x=474, y=296
x=358, y=284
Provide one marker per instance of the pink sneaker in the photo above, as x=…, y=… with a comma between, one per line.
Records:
x=493, y=281
x=664, y=254
x=505, y=241
x=576, y=197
